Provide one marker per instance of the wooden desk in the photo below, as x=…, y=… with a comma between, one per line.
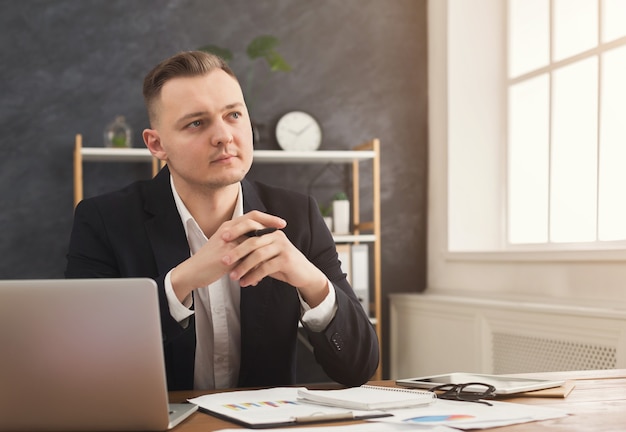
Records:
x=597, y=403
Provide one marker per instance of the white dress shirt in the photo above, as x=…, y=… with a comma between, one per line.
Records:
x=216, y=309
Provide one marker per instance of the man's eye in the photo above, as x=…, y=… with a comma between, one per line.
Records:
x=195, y=124
x=235, y=115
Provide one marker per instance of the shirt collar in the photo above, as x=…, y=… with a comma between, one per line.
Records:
x=185, y=214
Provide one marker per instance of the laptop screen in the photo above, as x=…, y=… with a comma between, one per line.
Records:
x=81, y=354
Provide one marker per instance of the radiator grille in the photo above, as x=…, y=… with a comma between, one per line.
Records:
x=517, y=353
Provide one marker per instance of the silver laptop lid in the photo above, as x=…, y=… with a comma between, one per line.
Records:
x=81, y=354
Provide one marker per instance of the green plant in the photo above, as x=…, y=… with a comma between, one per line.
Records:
x=340, y=196
x=326, y=210
x=261, y=47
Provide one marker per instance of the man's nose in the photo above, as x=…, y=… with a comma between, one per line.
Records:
x=221, y=133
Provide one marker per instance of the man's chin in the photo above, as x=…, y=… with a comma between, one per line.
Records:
x=224, y=181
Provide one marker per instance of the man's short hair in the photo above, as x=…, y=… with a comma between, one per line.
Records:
x=183, y=64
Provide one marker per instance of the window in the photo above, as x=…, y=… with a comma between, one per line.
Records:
x=469, y=249
x=566, y=122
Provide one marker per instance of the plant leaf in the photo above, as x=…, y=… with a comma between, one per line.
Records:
x=261, y=46
x=340, y=196
x=224, y=53
x=277, y=62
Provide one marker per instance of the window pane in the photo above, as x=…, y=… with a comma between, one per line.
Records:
x=529, y=35
x=613, y=19
x=528, y=161
x=575, y=27
x=574, y=155
x=612, y=198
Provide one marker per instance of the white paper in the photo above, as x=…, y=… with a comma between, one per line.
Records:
x=371, y=427
x=258, y=407
x=472, y=415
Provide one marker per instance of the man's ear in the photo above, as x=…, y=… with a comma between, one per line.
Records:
x=153, y=142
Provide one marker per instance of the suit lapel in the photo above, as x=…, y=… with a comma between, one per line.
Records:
x=165, y=229
x=255, y=301
x=251, y=198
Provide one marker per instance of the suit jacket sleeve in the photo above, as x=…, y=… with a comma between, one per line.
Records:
x=347, y=349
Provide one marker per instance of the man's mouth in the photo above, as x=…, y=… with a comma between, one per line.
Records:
x=223, y=157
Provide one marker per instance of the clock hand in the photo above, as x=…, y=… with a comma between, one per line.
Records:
x=291, y=131
x=303, y=129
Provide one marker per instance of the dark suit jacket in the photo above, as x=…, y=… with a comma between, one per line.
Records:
x=137, y=232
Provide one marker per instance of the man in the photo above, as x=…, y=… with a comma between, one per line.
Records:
x=230, y=300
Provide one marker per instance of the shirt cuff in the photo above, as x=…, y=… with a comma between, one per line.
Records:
x=179, y=311
x=318, y=318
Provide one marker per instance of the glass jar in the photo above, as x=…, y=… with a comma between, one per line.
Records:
x=118, y=134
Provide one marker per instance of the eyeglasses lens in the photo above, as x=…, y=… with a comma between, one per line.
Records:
x=468, y=392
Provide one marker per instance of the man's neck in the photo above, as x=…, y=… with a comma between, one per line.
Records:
x=210, y=207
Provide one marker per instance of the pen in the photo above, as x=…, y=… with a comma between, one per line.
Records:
x=348, y=415
x=314, y=418
x=260, y=232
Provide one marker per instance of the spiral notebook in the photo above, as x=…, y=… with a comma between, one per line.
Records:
x=275, y=407
x=368, y=397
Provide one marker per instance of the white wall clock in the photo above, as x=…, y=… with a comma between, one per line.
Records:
x=298, y=130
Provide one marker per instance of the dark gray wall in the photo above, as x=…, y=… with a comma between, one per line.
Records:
x=71, y=66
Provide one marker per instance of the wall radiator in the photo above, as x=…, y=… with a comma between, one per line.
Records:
x=440, y=333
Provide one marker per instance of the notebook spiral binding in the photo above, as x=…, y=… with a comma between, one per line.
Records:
x=402, y=390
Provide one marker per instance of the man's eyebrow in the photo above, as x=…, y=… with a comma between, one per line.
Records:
x=196, y=114
x=189, y=116
x=192, y=115
x=234, y=105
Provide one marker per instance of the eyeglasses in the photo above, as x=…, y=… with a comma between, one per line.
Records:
x=468, y=392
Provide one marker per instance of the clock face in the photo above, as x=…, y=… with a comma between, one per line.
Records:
x=298, y=130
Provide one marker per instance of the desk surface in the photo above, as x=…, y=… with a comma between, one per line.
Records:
x=597, y=403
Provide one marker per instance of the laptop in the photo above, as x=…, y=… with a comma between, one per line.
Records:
x=83, y=354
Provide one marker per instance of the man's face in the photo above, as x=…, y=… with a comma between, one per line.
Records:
x=204, y=129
